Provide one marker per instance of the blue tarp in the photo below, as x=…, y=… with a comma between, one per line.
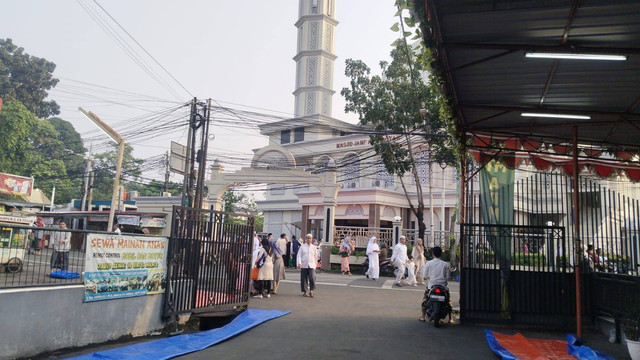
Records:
x=64, y=274
x=574, y=347
x=171, y=347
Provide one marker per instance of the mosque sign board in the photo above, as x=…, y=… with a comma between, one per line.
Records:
x=352, y=143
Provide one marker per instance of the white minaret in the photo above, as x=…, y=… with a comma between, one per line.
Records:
x=314, y=60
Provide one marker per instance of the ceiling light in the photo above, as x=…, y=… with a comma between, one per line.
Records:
x=574, y=56
x=557, y=116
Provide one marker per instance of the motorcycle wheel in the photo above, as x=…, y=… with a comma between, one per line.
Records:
x=436, y=314
x=14, y=265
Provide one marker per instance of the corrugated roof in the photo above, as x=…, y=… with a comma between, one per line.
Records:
x=481, y=47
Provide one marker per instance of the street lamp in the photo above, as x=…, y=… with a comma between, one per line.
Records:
x=116, y=138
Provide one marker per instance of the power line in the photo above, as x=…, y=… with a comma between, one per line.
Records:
x=145, y=50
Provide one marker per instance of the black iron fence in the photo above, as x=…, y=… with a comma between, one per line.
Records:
x=209, y=261
x=29, y=254
x=534, y=256
x=504, y=282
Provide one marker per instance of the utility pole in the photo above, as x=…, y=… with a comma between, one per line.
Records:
x=92, y=177
x=166, y=172
x=187, y=199
x=85, y=185
x=202, y=156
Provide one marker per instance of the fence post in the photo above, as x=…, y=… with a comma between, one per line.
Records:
x=397, y=228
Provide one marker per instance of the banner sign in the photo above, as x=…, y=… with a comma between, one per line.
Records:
x=15, y=185
x=128, y=220
x=496, y=205
x=153, y=222
x=119, y=266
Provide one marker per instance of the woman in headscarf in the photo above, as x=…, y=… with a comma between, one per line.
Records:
x=372, y=252
x=419, y=259
x=278, y=247
x=345, y=250
x=265, y=275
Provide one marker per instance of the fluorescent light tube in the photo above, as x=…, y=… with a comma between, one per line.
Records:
x=574, y=56
x=557, y=116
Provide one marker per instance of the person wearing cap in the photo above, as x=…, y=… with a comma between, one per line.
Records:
x=399, y=260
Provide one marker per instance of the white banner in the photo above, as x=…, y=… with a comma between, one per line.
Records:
x=118, y=266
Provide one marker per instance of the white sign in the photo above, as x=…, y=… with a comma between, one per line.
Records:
x=119, y=266
x=177, y=158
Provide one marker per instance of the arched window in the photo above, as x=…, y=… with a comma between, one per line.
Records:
x=351, y=171
x=383, y=178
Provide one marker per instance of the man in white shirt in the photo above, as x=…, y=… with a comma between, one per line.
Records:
x=307, y=263
x=438, y=272
x=61, y=245
x=399, y=259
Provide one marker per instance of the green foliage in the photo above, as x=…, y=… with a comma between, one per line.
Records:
x=27, y=79
x=237, y=202
x=335, y=250
x=153, y=188
x=528, y=259
x=105, y=165
x=34, y=148
x=73, y=155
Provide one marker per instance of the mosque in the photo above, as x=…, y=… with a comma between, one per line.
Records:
x=369, y=197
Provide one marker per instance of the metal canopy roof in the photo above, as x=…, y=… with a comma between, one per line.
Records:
x=481, y=45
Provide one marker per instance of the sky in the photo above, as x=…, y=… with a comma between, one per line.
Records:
x=238, y=53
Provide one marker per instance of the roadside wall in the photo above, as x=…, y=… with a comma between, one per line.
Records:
x=36, y=320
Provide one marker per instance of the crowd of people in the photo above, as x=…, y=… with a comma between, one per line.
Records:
x=271, y=258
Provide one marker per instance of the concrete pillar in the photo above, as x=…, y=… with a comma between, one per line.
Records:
x=374, y=215
x=305, y=226
x=328, y=221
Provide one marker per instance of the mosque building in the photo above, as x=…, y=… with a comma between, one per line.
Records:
x=369, y=197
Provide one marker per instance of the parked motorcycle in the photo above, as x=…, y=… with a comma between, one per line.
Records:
x=386, y=268
x=438, y=304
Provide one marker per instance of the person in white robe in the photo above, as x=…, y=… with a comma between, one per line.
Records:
x=419, y=259
x=411, y=273
x=372, y=252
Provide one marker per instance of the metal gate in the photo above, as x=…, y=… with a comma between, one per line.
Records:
x=209, y=262
x=504, y=281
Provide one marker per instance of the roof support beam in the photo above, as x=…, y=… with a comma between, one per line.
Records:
x=543, y=48
x=550, y=110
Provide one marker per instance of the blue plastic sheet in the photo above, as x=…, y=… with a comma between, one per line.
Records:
x=497, y=348
x=574, y=347
x=64, y=274
x=171, y=347
x=574, y=344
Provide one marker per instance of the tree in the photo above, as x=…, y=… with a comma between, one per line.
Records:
x=73, y=155
x=105, y=170
x=153, y=188
x=236, y=202
x=27, y=79
x=403, y=110
x=33, y=147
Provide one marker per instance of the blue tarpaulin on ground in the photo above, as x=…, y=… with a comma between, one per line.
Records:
x=518, y=347
x=64, y=274
x=171, y=347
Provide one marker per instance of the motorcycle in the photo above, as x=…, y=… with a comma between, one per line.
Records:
x=438, y=304
x=386, y=268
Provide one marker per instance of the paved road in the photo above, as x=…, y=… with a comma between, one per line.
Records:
x=356, y=318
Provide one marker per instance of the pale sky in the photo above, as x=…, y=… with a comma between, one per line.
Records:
x=236, y=52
